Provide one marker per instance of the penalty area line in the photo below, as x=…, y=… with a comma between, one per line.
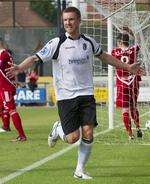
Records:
x=44, y=160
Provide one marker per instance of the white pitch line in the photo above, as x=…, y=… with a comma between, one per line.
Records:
x=137, y=144
x=43, y=161
x=145, y=144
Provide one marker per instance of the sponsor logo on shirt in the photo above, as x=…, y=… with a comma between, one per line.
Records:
x=78, y=61
x=120, y=52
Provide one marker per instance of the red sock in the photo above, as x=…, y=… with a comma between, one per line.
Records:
x=17, y=123
x=127, y=122
x=135, y=117
x=5, y=119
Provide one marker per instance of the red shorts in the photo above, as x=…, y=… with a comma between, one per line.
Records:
x=7, y=100
x=127, y=96
x=7, y=92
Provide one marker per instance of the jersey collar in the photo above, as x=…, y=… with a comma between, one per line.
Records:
x=68, y=36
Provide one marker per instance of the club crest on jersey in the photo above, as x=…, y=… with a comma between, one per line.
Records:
x=84, y=46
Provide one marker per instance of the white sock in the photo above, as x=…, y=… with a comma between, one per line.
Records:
x=84, y=151
x=61, y=132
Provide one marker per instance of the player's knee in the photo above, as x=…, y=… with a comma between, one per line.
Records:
x=87, y=132
x=73, y=138
x=125, y=114
x=5, y=113
x=12, y=111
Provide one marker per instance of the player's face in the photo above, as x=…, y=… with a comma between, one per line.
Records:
x=71, y=23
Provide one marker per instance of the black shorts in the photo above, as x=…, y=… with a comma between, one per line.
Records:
x=77, y=112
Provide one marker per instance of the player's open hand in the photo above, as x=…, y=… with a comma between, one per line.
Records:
x=136, y=68
x=12, y=71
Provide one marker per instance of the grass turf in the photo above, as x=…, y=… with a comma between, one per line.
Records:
x=114, y=159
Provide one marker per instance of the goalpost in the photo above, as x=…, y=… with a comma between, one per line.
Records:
x=103, y=19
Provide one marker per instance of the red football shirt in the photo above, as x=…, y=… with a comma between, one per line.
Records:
x=5, y=82
x=129, y=56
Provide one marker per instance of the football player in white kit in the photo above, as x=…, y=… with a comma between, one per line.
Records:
x=72, y=55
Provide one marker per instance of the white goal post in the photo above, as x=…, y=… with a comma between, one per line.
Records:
x=103, y=19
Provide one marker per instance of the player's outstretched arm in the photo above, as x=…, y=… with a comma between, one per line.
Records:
x=15, y=69
x=133, y=68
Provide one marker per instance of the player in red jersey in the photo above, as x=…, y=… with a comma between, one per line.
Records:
x=127, y=84
x=4, y=114
x=7, y=92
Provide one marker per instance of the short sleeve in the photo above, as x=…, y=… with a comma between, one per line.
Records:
x=47, y=52
x=6, y=56
x=97, y=50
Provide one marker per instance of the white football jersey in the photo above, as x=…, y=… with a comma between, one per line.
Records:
x=72, y=64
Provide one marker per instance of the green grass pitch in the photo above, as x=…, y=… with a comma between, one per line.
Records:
x=114, y=159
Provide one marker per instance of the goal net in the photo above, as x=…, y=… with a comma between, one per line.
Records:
x=123, y=18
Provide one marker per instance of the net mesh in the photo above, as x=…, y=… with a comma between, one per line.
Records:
x=124, y=18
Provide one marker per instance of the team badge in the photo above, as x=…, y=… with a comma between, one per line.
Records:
x=84, y=46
